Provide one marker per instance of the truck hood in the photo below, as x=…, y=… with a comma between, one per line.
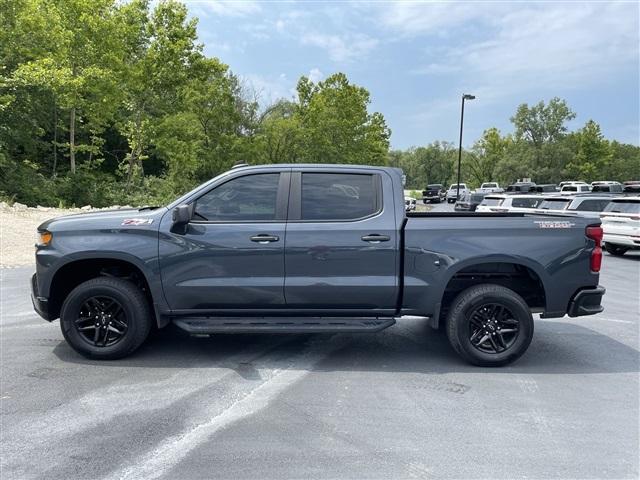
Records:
x=120, y=218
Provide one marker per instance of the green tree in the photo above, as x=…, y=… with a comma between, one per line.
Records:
x=593, y=156
x=161, y=50
x=433, y=163
x=485, y=156
x=540, y=133
x=77, y=61
x=624, y=164
x=336, y=126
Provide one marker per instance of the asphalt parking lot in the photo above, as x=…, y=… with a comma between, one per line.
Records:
x=396, y=404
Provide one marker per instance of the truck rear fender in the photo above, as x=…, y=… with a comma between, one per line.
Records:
x=525, y=277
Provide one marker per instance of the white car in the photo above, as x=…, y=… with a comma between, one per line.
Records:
x=509, y=203
x=452, y=193
x=409, y=204
x=572, y=182
x=578, y=205
x=621, y=225
x=490, y=187
x=573, y=188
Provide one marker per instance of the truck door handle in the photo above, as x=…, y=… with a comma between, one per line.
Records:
x=264, y=238
x=375, y=238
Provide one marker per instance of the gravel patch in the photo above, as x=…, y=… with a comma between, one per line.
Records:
x=18, y=225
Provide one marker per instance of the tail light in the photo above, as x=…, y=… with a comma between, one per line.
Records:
x=595, y=234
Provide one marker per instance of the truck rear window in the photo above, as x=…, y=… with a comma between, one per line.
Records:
x=338, y=196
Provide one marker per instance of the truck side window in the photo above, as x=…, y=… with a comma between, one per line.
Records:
x=592, y=205
x=339, y=196
x=251, y=198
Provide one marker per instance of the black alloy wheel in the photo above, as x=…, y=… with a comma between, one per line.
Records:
x=102, y=322
x=493, y=328
x=489, y=325
x=106, y=318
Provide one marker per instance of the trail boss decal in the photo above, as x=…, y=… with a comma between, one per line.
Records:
x=136, y=222
x=554, y=224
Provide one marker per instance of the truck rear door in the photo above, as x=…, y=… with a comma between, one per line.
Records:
x=341, y=241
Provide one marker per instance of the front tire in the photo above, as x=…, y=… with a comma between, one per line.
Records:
x=489, y=325
x=105, y=318
x=616, y=250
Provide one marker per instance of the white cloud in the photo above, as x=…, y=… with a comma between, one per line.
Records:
x=511, y=49
x=341, y=48
x=270, y=88
x=226, y=8
x=417, y=18
x=315, y=75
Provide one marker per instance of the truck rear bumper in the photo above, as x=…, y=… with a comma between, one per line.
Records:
x=40, y=304
x=586, y=302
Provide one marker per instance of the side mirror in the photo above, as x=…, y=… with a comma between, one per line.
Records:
x=181, y=217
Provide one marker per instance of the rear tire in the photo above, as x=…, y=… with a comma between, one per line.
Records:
x=486, y=316
x=616, y=250
x=105, y=318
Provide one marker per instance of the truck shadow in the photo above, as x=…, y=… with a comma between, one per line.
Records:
x=557, y=348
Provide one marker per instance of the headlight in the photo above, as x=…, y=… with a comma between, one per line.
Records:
x=44, y=238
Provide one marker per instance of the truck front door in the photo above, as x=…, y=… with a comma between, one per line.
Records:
x=231, y=255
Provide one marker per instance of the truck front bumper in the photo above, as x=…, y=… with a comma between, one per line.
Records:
x=40, y=304
x=586, y=302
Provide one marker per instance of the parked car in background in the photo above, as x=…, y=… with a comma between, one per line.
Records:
x=621, y=225
x=520, y=187
x=604, y=182
x=509, y=203
x=607, y=188
x=632, y=187
x=547, y=188
x=435, y=192
x=452, y=193
x=409, y=204
x=578, y=205
x=469, y=202
x=572, y=189
x=490, y=187
x=572, y=182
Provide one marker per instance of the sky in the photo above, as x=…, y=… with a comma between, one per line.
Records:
x=417, y=58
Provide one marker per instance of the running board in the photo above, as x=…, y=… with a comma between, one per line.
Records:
x=205, y=326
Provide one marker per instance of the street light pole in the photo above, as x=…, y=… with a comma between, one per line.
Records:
x=465, y=96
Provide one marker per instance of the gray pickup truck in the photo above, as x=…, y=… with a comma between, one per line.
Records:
x=312, y=248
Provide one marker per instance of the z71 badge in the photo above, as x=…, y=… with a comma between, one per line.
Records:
x=136, y=222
